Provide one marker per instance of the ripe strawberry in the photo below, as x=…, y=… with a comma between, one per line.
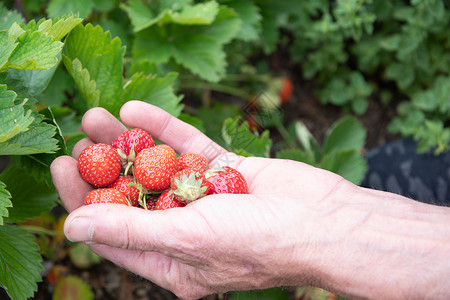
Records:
x=99, y=164
x=226, y=180
x=150, y=203
x=130, y=143
x=155, y=166
x=126, y=185
x=168, y=200
x=106, y=195
x=287, y=88
x=189, y=185
x=193, y=160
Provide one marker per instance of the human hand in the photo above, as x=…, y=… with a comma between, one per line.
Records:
x=219, y=243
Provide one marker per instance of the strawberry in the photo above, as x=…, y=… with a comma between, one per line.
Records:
x=130, y=143
x=189, y=185
x=155, y=166
x=150, y=203
x=106, y=195
x=99, y=164
x=287, y=88
x=168, y=200
x=126, y=185
x=193, y=160
x=226, y=180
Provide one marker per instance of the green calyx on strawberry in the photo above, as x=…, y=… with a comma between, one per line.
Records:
x=129, y=144
x=99, y=164
x=189, y=185
x=155, y=166
x=105, y=195
x=226, y=180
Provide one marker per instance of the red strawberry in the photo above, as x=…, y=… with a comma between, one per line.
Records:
x=126, y=185
x=226, y=180
x=130, y=143
x=155, y=166
x=106, y=195
x=189, y=185
x=287, y=88
x=150, y=203
x=168, y=200
x=193, y=160
x=99, y=164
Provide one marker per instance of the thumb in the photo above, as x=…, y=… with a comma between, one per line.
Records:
x=133, y=228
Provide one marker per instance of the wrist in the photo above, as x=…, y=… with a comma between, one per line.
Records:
x=374, y=244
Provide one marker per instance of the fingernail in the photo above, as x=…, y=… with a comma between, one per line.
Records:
x=80, y=230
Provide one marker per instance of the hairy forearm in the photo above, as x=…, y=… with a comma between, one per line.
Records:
x=380, y=245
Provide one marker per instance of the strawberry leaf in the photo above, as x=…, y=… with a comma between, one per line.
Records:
x=345, y=134
x=20, y=262
x=27, y=202
x=350, y=164
x=13, y=117
x=250, y=16
x=27, y=49
x=239, y=139
x=154, y=90
x=5, y=201
x=95, y=61
x=142, y=16
x=60, y=7
x=267, y=294
x=198, y=48
x=8, y=17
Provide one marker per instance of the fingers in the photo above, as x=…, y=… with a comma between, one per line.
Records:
x=158, y=268
x=168, y=129
x=137, y=229
x=101, y=126
x=71, y=187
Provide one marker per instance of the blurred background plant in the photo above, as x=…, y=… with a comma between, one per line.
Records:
x=314, y=81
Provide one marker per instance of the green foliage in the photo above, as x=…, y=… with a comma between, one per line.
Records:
x=340, y=153
x=357, y=49
x=5, y=202
x=20, y=262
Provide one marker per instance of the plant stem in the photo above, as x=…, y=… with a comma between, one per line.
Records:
x=41, y=230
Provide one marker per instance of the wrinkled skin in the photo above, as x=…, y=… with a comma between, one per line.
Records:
x=216, y=244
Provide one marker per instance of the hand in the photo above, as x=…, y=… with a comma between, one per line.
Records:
x=219, y=243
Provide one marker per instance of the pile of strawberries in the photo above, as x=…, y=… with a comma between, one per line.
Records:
x=134, y=171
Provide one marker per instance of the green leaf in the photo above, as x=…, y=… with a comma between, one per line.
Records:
x=8, y=17
x=350, y=164
x=13, y=117
x=60, y=27
x=31, y=50
x=30, y=198
x=198, y=48
x=20, y=262
x=346, y=134
x=251, y=19
x=95, y=61
x=5, y=201
x=268, y=294
x=38, y=139
x=72, y=288
x=153, y=90
x=142, y=16
x=238, y=138
x=64, y=7
x=298, y=155
x=29, y=83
